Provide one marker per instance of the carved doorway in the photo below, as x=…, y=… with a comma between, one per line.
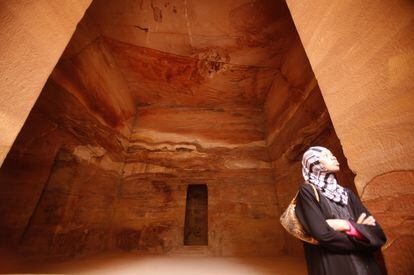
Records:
x=196, y=223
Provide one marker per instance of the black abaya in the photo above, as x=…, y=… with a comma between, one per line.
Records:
x=337, y=253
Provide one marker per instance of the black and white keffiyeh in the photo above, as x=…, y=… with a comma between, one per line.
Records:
x=314, y=173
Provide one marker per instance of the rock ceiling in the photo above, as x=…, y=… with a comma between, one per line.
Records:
x=195, y=53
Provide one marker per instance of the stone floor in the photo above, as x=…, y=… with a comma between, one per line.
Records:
x=154, y=265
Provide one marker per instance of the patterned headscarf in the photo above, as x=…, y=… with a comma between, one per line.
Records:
x=314, y=173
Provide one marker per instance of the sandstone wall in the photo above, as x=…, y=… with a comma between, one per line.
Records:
x=75, y=196
x=92, y=203
x=79, y=114
x=297, y=118
x=362, y=54
x=84, y=176
x=220, y=147
x=34, y=35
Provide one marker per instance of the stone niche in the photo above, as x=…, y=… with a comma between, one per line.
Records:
x=196, y=214
x=149, y=97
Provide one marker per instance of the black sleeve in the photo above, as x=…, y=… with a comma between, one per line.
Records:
x=310, y=215
x=374, y=235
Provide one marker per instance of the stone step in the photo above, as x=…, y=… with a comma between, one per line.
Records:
x=191, y=250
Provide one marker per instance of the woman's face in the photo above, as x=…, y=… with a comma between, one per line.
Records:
x=329, y=161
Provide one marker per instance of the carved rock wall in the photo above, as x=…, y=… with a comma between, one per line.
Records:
x=74, y=211
x=34, y=35
x=362, y=53
x=87, y=178
x=77, y=112
x=91, y=202
x=222, y=148
x=231, y=103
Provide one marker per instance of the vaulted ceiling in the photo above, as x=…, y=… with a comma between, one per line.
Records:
x=195, y=53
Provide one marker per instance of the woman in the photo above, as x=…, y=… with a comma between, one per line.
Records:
x=347, y=233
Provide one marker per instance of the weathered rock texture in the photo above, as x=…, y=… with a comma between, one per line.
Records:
x=175, y=53
x=362, y=53
x=34, y=35
x=78, y=112
x=88, y=177
x=223, y=148
x=150, y=96
x=93, y=202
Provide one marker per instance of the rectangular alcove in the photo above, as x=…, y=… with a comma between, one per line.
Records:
x=196, y=215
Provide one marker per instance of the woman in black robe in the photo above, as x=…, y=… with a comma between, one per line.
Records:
x=347, y=233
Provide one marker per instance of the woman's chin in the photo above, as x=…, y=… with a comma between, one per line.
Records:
x=334, y=169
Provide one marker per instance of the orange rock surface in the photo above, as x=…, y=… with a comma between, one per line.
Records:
x=151, y=96
x=362, y=55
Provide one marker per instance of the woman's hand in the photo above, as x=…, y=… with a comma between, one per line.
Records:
x=366, y=220
x=338, y=224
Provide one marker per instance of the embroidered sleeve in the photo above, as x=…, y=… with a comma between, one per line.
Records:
x=354, y=232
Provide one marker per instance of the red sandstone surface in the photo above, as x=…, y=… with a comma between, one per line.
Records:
x=150, y=96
